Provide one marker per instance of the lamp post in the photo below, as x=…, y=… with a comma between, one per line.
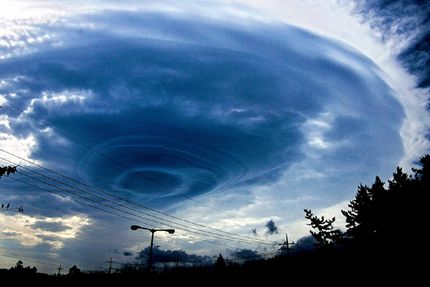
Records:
x=152, y=230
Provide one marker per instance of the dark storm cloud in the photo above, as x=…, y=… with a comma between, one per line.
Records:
x=304, y=244
x=271, y=227
x=246, y=254
x=127, y=253
x=194, y=105
x=397, y=19
x=164, y=256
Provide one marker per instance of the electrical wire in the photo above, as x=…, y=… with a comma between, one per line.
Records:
x=104, y=155
x=229, y=234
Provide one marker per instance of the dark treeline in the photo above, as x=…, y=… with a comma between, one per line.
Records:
x=384, y=241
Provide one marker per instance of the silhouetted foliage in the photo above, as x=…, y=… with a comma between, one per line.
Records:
x=422, y=175
x=378, y=216
x=19, y=265
x=7, y=170
x=325, y=234
x=74, y=271
x=19, y=268
x=220, y=263
x=361, y=218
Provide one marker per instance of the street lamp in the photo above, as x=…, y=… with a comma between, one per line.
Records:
x=152, y=230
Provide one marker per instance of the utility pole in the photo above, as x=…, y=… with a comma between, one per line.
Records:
x=59, y=270
x=177, y=261
x=110, y=265
x=286, y=245
x=150, y=250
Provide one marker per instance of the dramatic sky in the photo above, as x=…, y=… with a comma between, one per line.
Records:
x=205, y=116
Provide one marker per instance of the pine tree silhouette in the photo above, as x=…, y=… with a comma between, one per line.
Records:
x=378, y=216
x=220, y=263
x=325, y=235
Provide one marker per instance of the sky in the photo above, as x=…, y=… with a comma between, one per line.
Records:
x=222, y=119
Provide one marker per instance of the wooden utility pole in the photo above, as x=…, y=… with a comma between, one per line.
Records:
x=59, y=269
x=286, y=245
x=110, y=265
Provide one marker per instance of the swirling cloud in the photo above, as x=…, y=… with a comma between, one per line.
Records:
x=194, y=113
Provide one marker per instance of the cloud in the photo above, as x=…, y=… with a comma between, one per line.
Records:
x=409, y=35
x=403, y=25
x=31, y=231
x=127, y=253
x=246, y=254
x=166, y=256
x=141, y=93
x=304, y=244
x=50, y=226
x=271, y=227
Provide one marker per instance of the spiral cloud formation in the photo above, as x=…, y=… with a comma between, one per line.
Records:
x=189, y=107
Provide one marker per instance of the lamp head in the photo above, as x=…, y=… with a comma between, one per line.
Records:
x=134, y=227
x=171, y=231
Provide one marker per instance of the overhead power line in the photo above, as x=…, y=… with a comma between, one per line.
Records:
x=106, y=210
x=143, y=219
x=106, y=157
x=224, y=233
x=112, y=206
x=127, y=167
x=75, y=200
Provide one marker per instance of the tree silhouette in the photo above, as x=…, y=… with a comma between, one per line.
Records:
x=220, y=263
x=325, y=235
x=74, y=271
x=361, y=219
x=379, y=215
x=19, y=268
x=7, y=170
x=19, y=265
x=423, y=175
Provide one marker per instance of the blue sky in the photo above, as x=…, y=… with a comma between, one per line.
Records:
x=227, y=114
